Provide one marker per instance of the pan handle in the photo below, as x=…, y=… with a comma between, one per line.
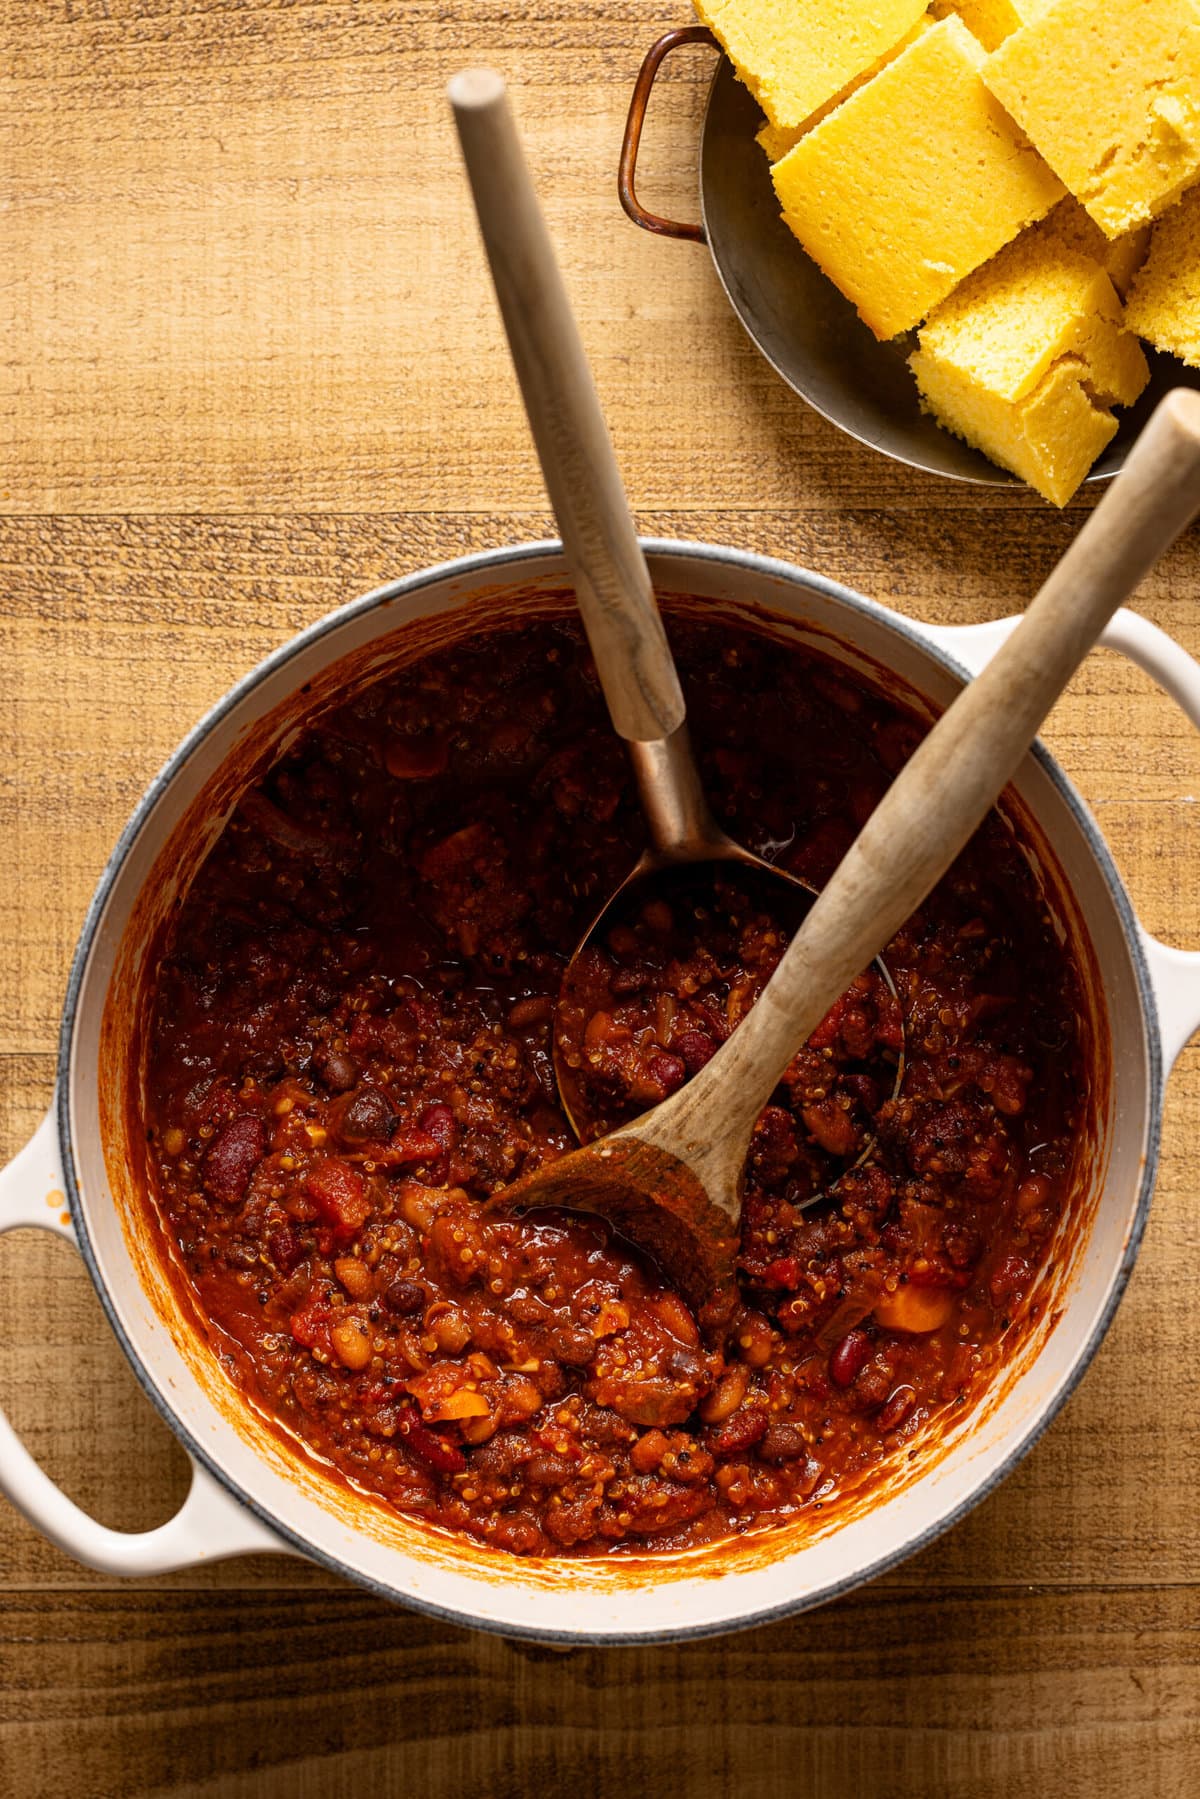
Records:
x=627, y=170
x=209, y=1525
x=1174, y=973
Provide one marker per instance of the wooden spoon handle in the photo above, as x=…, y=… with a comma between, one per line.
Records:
x=612, y=582
x=957, y=773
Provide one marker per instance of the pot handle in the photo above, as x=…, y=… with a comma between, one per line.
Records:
x=640, y=99
x=209, y=1526
x=1174, y=973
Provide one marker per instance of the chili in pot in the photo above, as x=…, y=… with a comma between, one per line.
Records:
x=351, y=1059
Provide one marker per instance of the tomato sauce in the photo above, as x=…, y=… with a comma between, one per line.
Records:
x=351, y=1059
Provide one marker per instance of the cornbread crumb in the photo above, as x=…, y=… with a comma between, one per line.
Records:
x=1025, y=360
x=795, y=55
x=1119, y=257
x=775, y=142
x=1165, y=303
x=991, y=21
x=1110, y=95
x=913, y=182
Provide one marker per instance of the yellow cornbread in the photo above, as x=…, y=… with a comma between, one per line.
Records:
x=1119, y=257
x=913, y=182
x=776, y=142
x=1110, y=95
x=1165, y=303
x=991, y=21
x=794, y=55
x=1025, y=359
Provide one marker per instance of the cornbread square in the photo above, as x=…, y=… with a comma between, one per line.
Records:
x=1165, y=303
x=913, y=182
x=1110, y=95
x=776, y=142
x=1119, y=257
x=794, y=55
x=991, y=21
x=1025, y=359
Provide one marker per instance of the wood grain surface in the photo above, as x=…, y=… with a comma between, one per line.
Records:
x=251, y=368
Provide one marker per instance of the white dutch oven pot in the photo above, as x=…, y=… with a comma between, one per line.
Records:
x=250, y=1491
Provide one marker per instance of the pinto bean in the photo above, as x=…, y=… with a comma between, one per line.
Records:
x=727, y=1395
x=451, y=1330
x=351, y=1343
x=677, y=1318
x=754, y=1339
x=355, y=1276
x=916, y=1310
x=532, y=1011
x=782, y=1443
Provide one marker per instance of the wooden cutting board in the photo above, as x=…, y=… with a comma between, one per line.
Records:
x=251, y=368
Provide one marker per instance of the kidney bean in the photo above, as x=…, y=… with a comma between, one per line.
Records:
x=739, y=1433
x=437, y=1121
x=695, y=1047
x=233, y=1156
x=849, y=1358
x=666, y=1073
x=864, y=1089
x=895, y=1409
x=285, y=1248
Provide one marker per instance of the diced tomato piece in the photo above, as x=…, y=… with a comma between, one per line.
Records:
x=339, y=1193
x=310, y=1325
x=429, y=1446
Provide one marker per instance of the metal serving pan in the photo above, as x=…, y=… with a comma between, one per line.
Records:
x=809, y=333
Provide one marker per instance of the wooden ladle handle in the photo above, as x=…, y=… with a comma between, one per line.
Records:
x=956, y=774
x=612, y=582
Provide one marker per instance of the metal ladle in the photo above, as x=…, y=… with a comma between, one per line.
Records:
x=612, y=582
x=672, y=1179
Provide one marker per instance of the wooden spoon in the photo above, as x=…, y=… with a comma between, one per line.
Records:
x=671, y=1181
